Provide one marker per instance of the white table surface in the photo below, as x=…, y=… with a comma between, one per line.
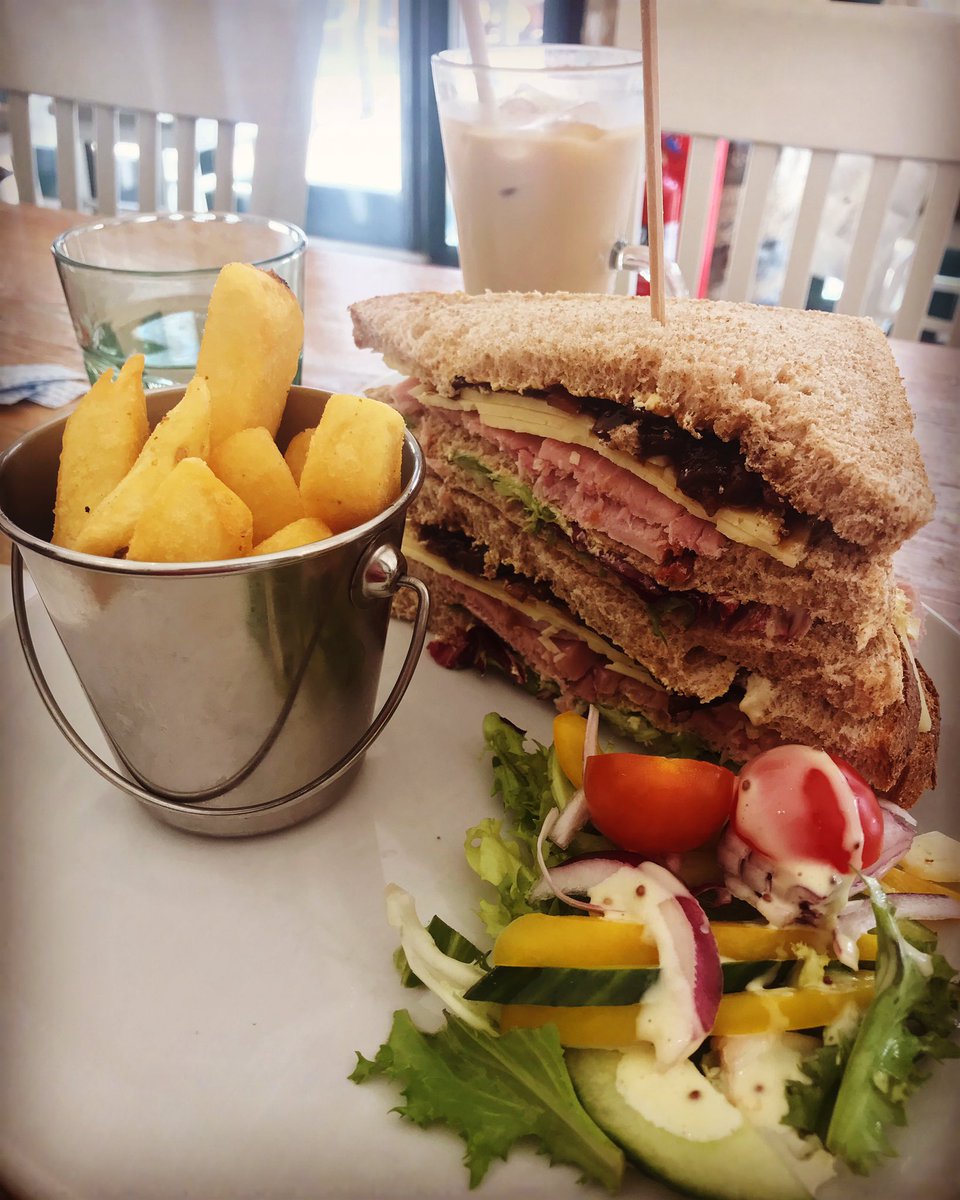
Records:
x=178, y=1015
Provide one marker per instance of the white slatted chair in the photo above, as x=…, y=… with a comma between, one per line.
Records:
x=832, y=78
x=230, y=60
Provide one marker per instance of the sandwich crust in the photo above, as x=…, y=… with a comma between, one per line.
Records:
x=814, y=399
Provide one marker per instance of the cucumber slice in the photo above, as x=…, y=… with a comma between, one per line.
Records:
x=577, y=987
x=737, y=1165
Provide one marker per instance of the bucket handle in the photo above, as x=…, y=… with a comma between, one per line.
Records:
x=103, y=769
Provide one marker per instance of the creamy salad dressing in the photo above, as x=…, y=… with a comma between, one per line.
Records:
x=667, y=1014
x=680, y=1101
x=753, y=1073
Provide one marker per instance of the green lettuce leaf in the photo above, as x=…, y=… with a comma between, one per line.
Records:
x=493, y=1091
x=521, y=773
x=810, y=1103
x=859, y=1085
x=537, y=513
x=504, y=852
x=656, y=741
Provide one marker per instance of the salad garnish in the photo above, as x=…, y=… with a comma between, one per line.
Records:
x=692, y=934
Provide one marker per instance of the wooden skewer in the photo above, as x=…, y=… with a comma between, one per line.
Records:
x=654, y=158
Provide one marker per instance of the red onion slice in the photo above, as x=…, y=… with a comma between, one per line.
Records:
x=707, y=975
x=690, y=973
x=547, y=885
x=899, y=830
x=857, y=917
x=571, y=820
x=577, y=876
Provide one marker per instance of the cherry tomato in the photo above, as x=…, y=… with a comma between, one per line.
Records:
x=657, y=805
x=871, y=814
x=794, y=802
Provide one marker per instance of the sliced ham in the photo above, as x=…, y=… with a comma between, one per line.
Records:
x=583, y=676
x=549, y=651
x=596, y=494
x=402, y=399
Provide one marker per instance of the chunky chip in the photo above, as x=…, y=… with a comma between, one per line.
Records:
x=183, y=433
x=251, y=465
x=352, y=468
x=250, y=349
x=296, y=453
x=297, y=533
x=101, y=441
x=192, y=517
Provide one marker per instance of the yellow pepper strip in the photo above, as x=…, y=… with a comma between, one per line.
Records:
x=748, y=942
x=773, y=1010
x=898, y=879
x=603, y=1027
x=569, y=731
x=538, y=940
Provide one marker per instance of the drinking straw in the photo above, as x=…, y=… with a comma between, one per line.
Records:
x=654, y=160
x=477, y=42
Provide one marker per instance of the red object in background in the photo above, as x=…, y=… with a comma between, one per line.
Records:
x=674, y=151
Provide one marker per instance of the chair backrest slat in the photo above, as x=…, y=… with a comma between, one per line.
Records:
x=933, y=236
x=186, y=139
x=105, y=131
x=68, y=149
x=796, y=281
x=862, y=265
x=748, y=224
x=148, y=162
x=24, y=166
x=226, y=143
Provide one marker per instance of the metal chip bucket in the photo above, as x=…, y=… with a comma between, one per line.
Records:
x=236, y=696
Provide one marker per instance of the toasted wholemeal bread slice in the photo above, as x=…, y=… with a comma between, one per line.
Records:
x=890, y=751
x=814, y=400
x=673, y=641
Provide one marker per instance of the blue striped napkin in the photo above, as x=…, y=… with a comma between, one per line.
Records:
x=47, y=384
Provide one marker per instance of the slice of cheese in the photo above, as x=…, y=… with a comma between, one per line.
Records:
x=926, y=724
x=906, y=623
x=527, y=414
x=534, y=609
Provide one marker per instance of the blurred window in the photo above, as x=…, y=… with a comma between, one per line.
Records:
x=374, y=162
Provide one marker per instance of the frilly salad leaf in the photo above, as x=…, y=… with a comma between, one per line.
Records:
x=538, y=514
x=447, y=977
x=493, y=1091
x=859, y=1082
x=503, y=853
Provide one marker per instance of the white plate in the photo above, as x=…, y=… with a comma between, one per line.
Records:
x=178, y=1016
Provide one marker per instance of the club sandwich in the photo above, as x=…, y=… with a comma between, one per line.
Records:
x=690, y=525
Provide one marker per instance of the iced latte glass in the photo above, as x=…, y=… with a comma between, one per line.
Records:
x=544, y=157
